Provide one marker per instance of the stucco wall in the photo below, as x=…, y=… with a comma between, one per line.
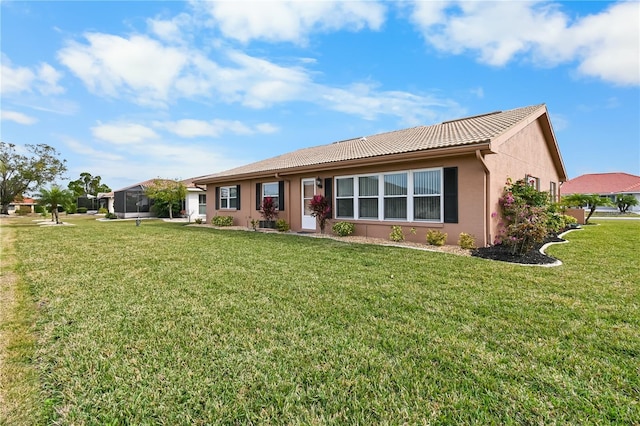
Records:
x=471, y=208
x=524, y=153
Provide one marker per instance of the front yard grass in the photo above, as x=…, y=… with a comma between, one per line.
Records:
x=172, y=324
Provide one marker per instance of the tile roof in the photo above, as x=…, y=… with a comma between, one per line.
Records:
x=465, y=131
x=602, y=183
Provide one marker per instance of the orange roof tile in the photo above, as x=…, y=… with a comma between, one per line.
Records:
x=602, y=183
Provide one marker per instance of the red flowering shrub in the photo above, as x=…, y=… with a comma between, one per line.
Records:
x=524, y=217
x=321, y=210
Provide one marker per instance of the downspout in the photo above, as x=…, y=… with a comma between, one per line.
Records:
x=487, y=183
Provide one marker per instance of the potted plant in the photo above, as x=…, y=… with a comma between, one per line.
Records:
x=269, y=211
x=321, y=210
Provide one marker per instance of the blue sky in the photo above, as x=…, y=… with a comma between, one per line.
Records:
x=131, y=91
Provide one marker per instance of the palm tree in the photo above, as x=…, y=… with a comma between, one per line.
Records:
x=53, y=198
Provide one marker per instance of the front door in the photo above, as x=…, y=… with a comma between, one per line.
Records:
x=308, y=191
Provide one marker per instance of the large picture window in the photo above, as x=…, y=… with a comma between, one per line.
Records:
x=404, y=196
x=229, y=197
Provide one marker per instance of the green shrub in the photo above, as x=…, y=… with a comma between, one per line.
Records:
x=525, y=217
x=72, y=208
x=467, y=241
x=222, y=221
x=110, y=216
x=40, y=209
x=102, y=210
x=81, y=210
x=569, y=220
x=396, y=233
x=199, y=220
x=282, y=225
x=23, y=211
x=436, y=238
x=343, y=229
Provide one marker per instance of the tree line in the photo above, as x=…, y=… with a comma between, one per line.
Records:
x=28, y=169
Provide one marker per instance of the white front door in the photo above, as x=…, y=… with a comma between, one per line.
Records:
x=308, y=191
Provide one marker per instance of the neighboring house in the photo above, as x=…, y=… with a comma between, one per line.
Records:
x=25, y=203
x=607, y=185
x=195, y=204
x=105, y=201
x=446, y=176
x=132, y=202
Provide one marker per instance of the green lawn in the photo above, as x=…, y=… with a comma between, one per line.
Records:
x=169, y=324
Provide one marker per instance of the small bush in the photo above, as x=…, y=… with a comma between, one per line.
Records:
x=467, y=241
x=436, y=238
x=40, y=209
x=282, y=225
x=343, y=229
x=222, y=221
x=110, y=216
x=396, y=233
x=72, y=208
x=23, y=211
x=569, y=220
x=102, y=210
x=199, y=220
x=81, y=210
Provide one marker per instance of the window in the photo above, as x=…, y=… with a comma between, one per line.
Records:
x=395, y=196
x=202, y=204
x=534, y=182
x=228, y=197
x=368, y=197
x=407, y=196
x=272, y=190
x=427, y=190
x=344, y=197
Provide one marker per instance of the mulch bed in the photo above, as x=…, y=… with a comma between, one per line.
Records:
x=532, y=257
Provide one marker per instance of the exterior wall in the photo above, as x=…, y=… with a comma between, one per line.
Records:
x=525, y=153
x=471, y=206
x=578, y=214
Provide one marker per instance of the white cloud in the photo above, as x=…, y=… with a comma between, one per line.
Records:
x=605, y=45
x=90, y=153
x=290, y=21
x=364, y=100
x=116, y=70
x=139, y=65
x=18, y=117
x=19, y=79
x=190, y=128
x=123, y=133
x=170, y=30
x=48, y=78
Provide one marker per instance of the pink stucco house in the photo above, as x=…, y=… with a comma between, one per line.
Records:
x=446, y=176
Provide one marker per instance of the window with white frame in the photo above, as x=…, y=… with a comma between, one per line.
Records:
x=228, y=197
x=344, y=197
x=271, y=189
x=202, y=204
x=405, y=195
x=395, y=196
x=368, y=197
x=427, y=189
x=533, y=182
